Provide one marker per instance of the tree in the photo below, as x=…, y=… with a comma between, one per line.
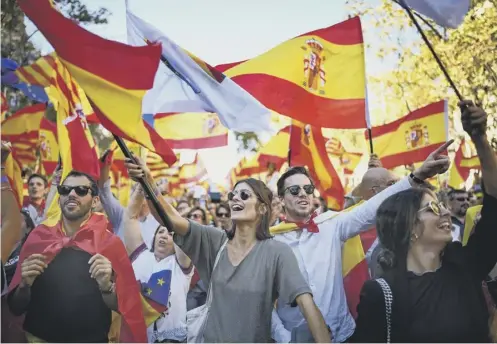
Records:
x=468, y=52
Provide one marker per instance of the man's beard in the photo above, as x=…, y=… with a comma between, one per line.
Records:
x=81, y=213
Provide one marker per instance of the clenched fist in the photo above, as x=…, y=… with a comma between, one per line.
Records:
x=101, y=271
x=32, y=267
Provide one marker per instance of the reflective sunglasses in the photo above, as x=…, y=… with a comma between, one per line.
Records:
x=81, y=190
x=244, y=195
x=434, y=207
x=226, y=215
x=295, y=189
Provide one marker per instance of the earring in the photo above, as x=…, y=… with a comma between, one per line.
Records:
x=416, y=237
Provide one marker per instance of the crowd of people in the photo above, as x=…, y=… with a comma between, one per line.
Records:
x=224, y=274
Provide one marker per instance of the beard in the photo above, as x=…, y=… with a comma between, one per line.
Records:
x=73, y=215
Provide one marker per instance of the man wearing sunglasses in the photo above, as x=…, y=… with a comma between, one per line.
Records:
x=317, y=242
x=81, y=270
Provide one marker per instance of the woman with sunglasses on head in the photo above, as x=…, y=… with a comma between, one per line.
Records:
x=431, y=290
x=252, y=270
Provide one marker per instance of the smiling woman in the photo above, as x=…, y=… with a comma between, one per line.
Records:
x=252, y=270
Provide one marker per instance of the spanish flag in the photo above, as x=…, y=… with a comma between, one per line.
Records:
x=413, y=137
x=115, y=77
x=307, y=148
x=276, y=149
x=14, y=174
x=349, y=161
x=462, y=166
x=192, y=173
x=317, y=78
x=4, y=107
x=248, y=167
x=22, y=131
x=49, y=147
x=191, y=130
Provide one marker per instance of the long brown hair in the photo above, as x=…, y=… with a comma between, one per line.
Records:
x=264, y=196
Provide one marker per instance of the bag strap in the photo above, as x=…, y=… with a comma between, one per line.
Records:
x=387, y=293
x=209, y=291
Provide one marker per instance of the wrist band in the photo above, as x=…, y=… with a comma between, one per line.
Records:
x=416, y=179
x=111, y=289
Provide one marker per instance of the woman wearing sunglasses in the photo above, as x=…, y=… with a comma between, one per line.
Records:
x=252, y=272
x=431, y=290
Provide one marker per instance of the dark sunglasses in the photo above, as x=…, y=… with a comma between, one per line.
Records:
x=196, y=216
x=295, y=189
x=226, y=215
x=81, y=190
x=434, y=207
x=244, y=195
x=462, y=199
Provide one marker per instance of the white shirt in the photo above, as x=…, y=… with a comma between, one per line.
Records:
x=320, y=260
x=172, y=323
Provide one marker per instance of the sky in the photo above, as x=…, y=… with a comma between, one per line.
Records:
x=221, y=31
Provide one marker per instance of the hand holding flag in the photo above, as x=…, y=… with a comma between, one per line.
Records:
x=474, y=120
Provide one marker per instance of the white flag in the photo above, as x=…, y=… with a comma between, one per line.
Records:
x=446, y=13
x=185, y=84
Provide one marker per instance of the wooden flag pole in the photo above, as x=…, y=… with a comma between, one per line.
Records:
x=430, y=46
x=166, y=221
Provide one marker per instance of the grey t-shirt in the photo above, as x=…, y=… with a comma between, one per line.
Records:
x=243, y=296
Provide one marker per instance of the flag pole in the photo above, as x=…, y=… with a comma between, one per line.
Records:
x=146, y=187
x=289, y=158
x=370, y=134
x=430, y=46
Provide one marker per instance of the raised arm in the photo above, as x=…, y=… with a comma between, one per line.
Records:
x=480, y=250
x=140, y=170
x=111, y=205
x=363, y=216
x=132, y=230
x=11, y=215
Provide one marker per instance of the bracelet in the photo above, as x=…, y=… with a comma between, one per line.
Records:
x=416, y=179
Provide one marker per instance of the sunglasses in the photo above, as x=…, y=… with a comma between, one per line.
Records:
x=244, y=195
x=462, y=199
x=81, y=190
x=295, y=189
x=196, y=216
x=226, y=215
x=434, y=207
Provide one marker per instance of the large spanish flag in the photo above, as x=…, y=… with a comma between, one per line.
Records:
x=317, y=78
x=191, y=130
x=413, y=137
x=307, y=148
x=464, y=161
x=115, y=77
x=22, y=130
x=49, y=147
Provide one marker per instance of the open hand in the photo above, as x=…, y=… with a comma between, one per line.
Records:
x=32, y=267
x=101, y=271
x=435, y=163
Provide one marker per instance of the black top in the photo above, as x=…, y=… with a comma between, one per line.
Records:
x=66, y=304
x=442, y=306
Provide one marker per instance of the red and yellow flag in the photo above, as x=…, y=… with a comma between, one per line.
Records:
x=22, y=131
x=307, y=148
x=276, y=150
x=192, y=173
x=464, y=161
x=49, y=148
x=412, y=138
x=317, y=78
x=4, y=107
x=191, y=130
x=349, y=162
x=116, y=77
x=39, y=72
x=14, y=174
